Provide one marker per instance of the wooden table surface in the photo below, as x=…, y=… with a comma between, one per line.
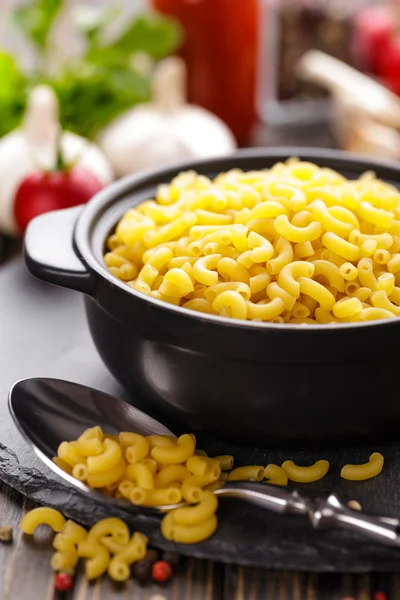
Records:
x=25, y=572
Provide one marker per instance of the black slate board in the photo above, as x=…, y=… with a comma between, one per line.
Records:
x=43, y=333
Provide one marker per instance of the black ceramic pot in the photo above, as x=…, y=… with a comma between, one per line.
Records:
x=257, y=383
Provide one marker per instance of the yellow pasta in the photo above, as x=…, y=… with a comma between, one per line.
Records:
x=330, y=272
x=380, y=300
x=366, y=274
x=274, y=290
x=394, y=264
x=275, y=475
x=61, y=464
x=138, y=446
x=387, y=283
x=285, y=256
x=134, y=550
x=171, y=474
x=105, y=478
x=105, y=461
x=192, y=487
x=225, y=462
x=287, y=278
x=97, y=555
x=73, y=532
x=330, y=223
x=347, y=307
x=364, y=471
x=197, y=465
x=198, y=234
x=113, y=527
x=42, y=516
x=306, y=474
x=290, y=232
x=251, y=473
x=166, y=441
x=265, y=310
x=321, y=294
x=65, y=560
x=70, y=454
x=192, y=534
x=80, y=471
x=141, y=474
x=376, y=216
x=348, y=271
x=374, y=314
x=179, y=453
x=163, y=471
x=203, y=269
x=193, y=515
x=343, y=248
x=158, y=497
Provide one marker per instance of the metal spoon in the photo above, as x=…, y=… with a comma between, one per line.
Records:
x=50, y=411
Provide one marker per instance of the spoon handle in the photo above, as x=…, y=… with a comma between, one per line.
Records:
x=323, y=513
x=270, y=497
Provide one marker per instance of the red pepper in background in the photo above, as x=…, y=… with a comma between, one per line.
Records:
x=221, y=53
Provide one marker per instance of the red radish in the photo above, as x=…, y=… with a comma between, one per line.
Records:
x=46, y=191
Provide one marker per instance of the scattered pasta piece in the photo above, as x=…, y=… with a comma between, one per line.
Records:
x=158, y=471
x=42, y=516
x=306, y=474
x=364, y=471
x=251, y=473
x=275, y=475
x=295, y=243
x=354, y=505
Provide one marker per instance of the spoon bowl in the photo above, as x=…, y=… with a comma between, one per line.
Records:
x=50, y=411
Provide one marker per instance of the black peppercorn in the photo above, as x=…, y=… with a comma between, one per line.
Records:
x=141, y=571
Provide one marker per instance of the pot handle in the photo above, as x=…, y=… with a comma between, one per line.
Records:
x=49, y=252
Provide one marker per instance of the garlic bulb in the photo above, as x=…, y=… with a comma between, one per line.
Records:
x=166, y=130
x=33, y=147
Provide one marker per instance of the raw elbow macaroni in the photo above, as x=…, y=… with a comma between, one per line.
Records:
x=232, y=245
x=365, y=471
x=161, y=470
x=306, y=474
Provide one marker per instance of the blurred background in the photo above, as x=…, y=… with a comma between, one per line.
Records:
x=117, y=86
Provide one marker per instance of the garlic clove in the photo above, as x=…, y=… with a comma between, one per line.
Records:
x=167, y=130
x=88, y=155
x=15, y=165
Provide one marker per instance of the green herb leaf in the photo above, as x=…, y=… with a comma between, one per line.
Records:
x=152, y=33
x=12, y=93
x=35, y=20
x=107, y=79
x=92, y=20
x=93, y=96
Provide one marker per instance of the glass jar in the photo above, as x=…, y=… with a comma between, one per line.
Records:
x=221, y=52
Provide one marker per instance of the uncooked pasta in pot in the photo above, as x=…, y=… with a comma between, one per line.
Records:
x=296, y=243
